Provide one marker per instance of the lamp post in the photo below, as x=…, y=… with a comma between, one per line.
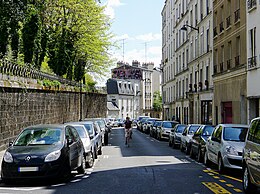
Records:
x=137, y=92
x=184, y=27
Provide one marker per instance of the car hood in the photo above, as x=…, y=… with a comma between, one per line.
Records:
x=42, y=150
x=237, y=145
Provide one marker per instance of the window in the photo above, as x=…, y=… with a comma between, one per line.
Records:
x=254, y=132
x=252, y=48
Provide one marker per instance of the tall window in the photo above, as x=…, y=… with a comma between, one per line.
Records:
x=196, y=15
x=208, y=39
x=201, y=9
x=252, y=46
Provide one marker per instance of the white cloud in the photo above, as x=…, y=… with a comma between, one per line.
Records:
x=110, y=6
x=149, y=37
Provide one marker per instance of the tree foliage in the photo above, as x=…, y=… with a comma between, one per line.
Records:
x=73, y=35
x=157, y=101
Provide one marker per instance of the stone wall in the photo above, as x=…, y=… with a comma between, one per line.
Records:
x=21, y=107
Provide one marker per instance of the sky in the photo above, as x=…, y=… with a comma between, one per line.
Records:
x=136, y=25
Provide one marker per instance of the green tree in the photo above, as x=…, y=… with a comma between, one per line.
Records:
x=157, y=101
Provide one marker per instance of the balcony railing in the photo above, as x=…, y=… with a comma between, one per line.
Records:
x=252, y=63
x=237, y=15
x=237, y=60
x=215, y=33
x=228, y=21
x=221, y=27
x=251, y=4
x=229, y=64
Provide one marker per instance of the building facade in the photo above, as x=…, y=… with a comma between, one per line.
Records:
x=229, y=61
x=187, y=60
x=253, y=59
x=131, y=89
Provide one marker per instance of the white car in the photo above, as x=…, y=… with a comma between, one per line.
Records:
x=164, y=130
x=225, y=146
x=187, y=137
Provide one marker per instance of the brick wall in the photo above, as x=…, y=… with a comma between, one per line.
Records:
x=21, y=107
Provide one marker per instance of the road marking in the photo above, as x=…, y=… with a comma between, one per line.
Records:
x=230, y=185
x=20, y=189
x=215, y=188
x=76, y=180
x=216, y=177
x=237, y=190
x=235, y=179
x=222, y=181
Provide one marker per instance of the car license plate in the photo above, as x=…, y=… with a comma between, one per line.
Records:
x=28, y=169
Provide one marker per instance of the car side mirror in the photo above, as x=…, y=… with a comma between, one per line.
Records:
x=91, y=136
x=11, y=143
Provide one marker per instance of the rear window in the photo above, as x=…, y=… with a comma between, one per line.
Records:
x=81, y=131
x=169, y=124
x=193, y=129
x=89, y=128
x=235, y=134
x=208, y=130
x=180, y=128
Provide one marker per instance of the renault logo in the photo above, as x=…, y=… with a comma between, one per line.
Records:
x=27, y=159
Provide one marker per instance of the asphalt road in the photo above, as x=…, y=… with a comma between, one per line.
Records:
x=147, y=166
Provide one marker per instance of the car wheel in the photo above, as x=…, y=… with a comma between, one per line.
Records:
x=248, y=187
x=187, y=150
x=199, y=155
x=192, y=153
x=220, y=164
x=206, y=159
x=90, y=163
x=66, y=173
x=181, y=147
x=173, y=144
x=170, y=143
x=95, y=153
x=100, y=151
x=81, y=168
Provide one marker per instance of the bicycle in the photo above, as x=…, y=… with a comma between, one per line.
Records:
x=127, y=137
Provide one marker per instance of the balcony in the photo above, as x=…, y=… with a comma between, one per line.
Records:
x=221, y=27
x=237, y=15
x=229, y=63
x=215, y=33
x=251, y=4
x=252, y=63
x=228, y=20
x=237, y=60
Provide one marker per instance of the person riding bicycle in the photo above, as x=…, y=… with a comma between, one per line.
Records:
x=128, y=130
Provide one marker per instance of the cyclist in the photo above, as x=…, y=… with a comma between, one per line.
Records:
x=128, y=130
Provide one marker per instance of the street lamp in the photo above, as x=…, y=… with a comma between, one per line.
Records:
x=184, y=27
x=137, y=92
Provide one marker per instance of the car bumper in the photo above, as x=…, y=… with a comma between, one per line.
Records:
x=46, y=170
x=231, y=161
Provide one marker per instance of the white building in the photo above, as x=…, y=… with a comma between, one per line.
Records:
x=253, y=55
x=187, y=60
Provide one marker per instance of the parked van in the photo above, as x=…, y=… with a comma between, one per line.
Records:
x=251, y=158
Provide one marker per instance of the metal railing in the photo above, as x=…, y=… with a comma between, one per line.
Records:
x=252, y=63
x=8, y=68
x=251, y=4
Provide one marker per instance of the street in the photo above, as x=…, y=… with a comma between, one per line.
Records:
x=147, y=166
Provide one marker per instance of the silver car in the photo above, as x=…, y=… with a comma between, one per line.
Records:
x=88, y=143
x=225, y=146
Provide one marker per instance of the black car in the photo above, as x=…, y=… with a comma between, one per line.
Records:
x=199, y=140
x=44, y=151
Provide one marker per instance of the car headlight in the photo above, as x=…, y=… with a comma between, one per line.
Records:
x=52, y=156
x=231, y=150
x=8, y=157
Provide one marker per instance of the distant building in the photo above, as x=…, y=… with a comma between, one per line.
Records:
x=131, y=88
x=253, y=59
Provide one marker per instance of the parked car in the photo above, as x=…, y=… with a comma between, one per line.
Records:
x=43, y=151
x=225, y=146
x=89, y=144
x=163, y=130
x=120, y=123
x=138, y=124
x=251, y=158
x=148, y=124
x=187, y=136
x=199, y=140
x=176, y=134
x=153, y=131
x=94, y=133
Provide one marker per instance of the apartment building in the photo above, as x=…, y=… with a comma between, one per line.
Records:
x=253, y=58
x=187, y=43
x=229, y=61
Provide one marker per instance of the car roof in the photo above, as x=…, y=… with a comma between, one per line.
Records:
x=80, y=122
x=234, y=125
x=48, y=125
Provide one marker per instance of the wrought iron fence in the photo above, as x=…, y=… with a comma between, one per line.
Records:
x=8, y=68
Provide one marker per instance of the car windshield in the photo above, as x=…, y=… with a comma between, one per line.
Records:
x=235, y=133
x=89, y=128
x=39, y=136
x=81, y=131
x=158, y=123
x=208, y=130
x=180, y=128
x=101, y=123
x=193, y=129
x=169, y=124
